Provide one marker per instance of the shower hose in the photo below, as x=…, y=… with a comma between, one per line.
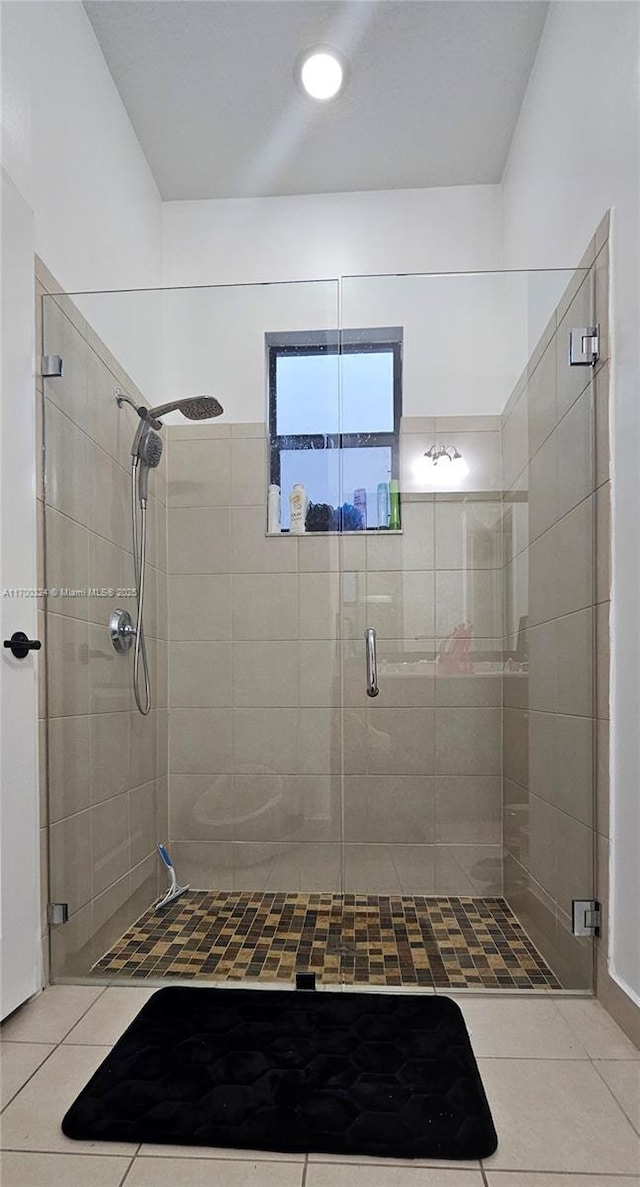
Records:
x=143, y=698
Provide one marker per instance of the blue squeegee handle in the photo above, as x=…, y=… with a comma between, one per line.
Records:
x=165, y=856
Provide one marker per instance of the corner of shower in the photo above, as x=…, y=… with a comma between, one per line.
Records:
x=368, y=748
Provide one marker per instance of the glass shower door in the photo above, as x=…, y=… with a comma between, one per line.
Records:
x=467, y=786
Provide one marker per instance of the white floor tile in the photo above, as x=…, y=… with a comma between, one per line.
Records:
x=48, y=1017
x=32, y=1121
x=553, y=1115
x=527, y=1179
x=528, y=1028
x=411, y=1163
x=358, y=1175
x=601, y=1037
x=623, y=1078
x=207, y=1172
x=60, y=1170
x=152, y=1151
x=108, y=1019
x=19, y=1061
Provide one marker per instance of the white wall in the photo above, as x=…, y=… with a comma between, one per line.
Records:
x=466, y=338
x=72, y=162
x=574, y=155
x=71, y=152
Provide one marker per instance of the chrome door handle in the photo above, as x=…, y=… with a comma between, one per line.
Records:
x=372, y=665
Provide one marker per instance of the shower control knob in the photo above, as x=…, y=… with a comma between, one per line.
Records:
x=20, y=645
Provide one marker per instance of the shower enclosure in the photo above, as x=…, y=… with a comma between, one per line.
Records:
x=436, y=834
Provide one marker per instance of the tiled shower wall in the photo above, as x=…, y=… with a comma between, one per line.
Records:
x=262, y=709
x=104, y=767
x=556, y=465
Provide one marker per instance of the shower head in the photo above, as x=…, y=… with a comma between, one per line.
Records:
x=193, y=407
x=150, y=449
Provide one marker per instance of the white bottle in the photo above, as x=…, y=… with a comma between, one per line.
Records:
x=298, y=503
x=273, y=510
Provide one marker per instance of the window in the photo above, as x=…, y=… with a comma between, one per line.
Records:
x=335, y=402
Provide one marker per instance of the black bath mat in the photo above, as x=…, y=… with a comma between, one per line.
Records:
x=297, y=1071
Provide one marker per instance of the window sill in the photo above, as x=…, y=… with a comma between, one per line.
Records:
x=313, y=535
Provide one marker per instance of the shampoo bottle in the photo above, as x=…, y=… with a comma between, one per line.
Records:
x=273, y=510
x=298, y=503
x=394, y=505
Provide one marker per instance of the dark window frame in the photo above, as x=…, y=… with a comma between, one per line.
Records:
x=377, y=340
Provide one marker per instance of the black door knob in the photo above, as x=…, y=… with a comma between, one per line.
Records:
x=20, y=645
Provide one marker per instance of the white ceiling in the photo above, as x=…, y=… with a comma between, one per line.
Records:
x=432, y=97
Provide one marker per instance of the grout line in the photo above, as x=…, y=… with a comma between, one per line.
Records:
x=305, y=1171
x=126, y=1173
x=633, y=1062
x=40, y=1065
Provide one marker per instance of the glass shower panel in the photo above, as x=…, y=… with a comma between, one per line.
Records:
x=467, y=779
x=237, y=766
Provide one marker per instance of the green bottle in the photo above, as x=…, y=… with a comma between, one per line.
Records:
x=394, y=505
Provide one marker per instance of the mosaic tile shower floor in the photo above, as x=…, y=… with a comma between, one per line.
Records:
x=451, y=943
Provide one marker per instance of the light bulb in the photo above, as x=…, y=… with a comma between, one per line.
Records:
x=321, y=74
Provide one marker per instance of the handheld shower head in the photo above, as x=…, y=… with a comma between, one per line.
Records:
x=148, y=452
x=194, y=408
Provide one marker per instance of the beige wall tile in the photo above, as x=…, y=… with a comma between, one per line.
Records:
x=319, y=613
x=477, y=691
x=389, y=741
x=265, y=674
x=468, y=741
x=110, y=744
x=198, y=540
x=602, y=659
x=469, y=596
x=468, y=535
x=561, y=664
x=541, y=410
x=319, y=554
x=406, y=676
x=68, y=391
x=544, y=487
x=110, y=842
x=389, y=869
x=67, y=561
x=199, y=607
x=143, y=832
x=469, y=810
x=561, y=762
x=66, y=480
x=111, y=914
x=142, y=747
x=602, y=444
x=575, y=872
x=199, y=741
x=603, y=542
x=414, y=549
x=571, y=381
x=252, y=551
x=265, y=606
x=479, y=865
x=575, y=458
x=69, y=766
x=255, y=806
x=516, y=821
x=200, y=675
x=388, y=808
x=248, y=472
x=199, y=473
x=602, y=777
x=108, y=497
x=286, y=866
x=320, y=677
x=287, y=741
x=70, y=857
x=110, y=674
x=68, y=666
x=515, y=442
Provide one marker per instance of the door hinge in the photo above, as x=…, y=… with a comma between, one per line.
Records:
x=51, y=366
x=58, y=912
x=586, y=917
x=584, y=345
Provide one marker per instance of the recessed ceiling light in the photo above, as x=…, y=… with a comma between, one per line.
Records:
x=320, y=73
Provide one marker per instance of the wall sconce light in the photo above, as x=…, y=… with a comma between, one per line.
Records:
x=441, y=465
